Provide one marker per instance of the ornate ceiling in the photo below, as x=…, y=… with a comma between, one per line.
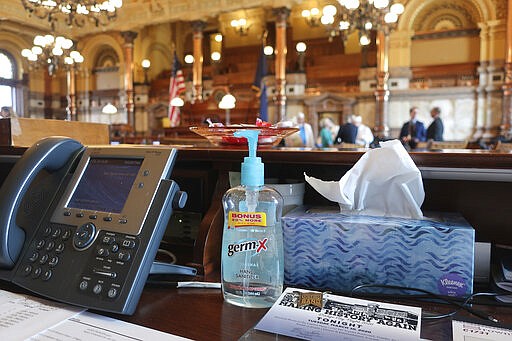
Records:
x=135, y=14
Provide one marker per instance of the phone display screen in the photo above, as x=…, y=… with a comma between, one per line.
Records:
x=105, y=184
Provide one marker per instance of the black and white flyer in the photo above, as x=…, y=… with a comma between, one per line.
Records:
x=312, y=315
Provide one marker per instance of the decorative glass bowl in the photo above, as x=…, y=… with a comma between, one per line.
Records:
x=223, y=136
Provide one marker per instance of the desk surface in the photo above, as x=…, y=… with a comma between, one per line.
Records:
x=201, y=314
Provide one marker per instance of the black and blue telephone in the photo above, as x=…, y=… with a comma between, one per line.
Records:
x=82, y=225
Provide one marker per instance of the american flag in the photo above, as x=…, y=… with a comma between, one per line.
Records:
x=176, y=87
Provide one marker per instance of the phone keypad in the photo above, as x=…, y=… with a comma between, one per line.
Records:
x=105, y=259
x=46, y=252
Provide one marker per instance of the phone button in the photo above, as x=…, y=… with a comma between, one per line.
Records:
x=53, y=261
x=105, y=273
x=34, y=256
x=66, y=234
x=56, y=233
x=37, y=272
x=59, y=248
x=43, y=259
x=102, y=252
x=127, y=243
x=84, y=235
x=123, y=256
x=108, y=240
x=47, y=275
x=83, y=285
x=50, y=245
x=27, y=270
x=112, y=293
x=47, y=231
x=97, y=289
x=40, y=244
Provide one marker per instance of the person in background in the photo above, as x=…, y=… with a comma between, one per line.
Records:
x=325, y=138
x=305, y=131
x=5, y=112
x=413, y=131
x=364, y=134
x=435, y=129
x=304, y=137
x=333, y=128
x=347, y=132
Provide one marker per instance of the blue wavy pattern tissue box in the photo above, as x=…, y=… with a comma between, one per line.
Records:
x=334, y=251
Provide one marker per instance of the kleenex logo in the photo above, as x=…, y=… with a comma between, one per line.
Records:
x=452, y=285
x=445, y=282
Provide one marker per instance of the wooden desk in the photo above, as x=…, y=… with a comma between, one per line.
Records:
x=201, y=314
x=476, y=183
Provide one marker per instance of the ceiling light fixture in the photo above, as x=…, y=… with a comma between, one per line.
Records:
x=240, y=26
x=53, y=52
x=362, y=16
x=74, y=13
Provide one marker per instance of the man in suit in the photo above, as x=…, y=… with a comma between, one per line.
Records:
x=413, y=131
x=435, y=129
x=347, y=132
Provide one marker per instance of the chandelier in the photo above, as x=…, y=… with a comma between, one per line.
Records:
x=74, y=12
x=240, y=26
x=362, y=16
x=53, y=52
x=312, y=16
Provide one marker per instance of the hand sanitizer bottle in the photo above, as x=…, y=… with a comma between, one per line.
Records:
x=252, y=268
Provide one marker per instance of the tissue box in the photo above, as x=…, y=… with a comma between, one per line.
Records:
x=329, y=250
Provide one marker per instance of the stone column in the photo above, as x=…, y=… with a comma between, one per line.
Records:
x=71, y=95
x=382, y=93
x=48, y=95
x=197, y=69
x=129, y=37
x=494, y=100
x=506, y=118
x=282, y=15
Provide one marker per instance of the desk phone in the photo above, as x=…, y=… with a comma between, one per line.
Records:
x=82, y=225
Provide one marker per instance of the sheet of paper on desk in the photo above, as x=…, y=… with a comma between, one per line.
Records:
x=464, y=330
x=22, y=316
x=333, y=317
x=91, y=327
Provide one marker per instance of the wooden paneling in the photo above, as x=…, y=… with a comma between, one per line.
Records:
x=24, y=132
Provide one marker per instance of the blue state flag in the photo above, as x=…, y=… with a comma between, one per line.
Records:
x=259, y=86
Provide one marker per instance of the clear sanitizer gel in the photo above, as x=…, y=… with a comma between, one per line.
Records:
x=252, y=267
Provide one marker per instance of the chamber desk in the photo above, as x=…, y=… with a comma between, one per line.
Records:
x=201, y=314
x=476, y=183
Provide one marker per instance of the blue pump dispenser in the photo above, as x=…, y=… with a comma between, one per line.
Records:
x=252, y=276
x=253, y=171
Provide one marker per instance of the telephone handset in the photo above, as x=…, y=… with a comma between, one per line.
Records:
x=50, y=154
x=98, y=234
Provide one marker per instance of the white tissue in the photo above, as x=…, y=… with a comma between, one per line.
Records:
x=384, y=182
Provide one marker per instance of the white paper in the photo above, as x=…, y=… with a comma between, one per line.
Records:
x=341, y=318
x=469, y=331
x=22, y=316
x=384, y=182
x=91, y=327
